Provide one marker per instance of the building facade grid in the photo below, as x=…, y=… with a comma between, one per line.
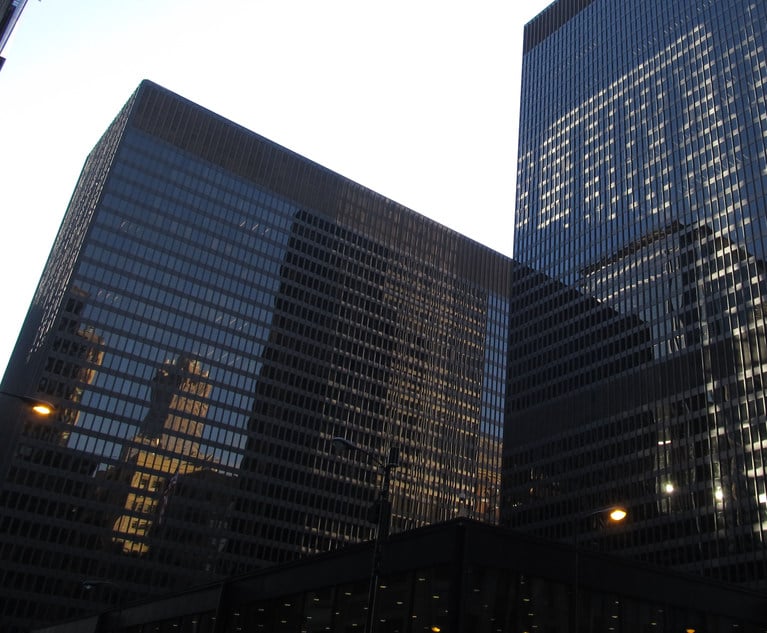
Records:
x=214, y=311
x=638, y=355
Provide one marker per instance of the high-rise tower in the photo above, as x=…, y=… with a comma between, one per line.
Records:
x=215, y=309
x=10, y=11
x=640, y=360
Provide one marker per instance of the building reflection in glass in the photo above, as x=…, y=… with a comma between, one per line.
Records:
x=215, y=309
x=166, y=448
x=641, y=185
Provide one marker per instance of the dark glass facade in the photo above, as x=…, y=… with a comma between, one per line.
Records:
x=10, y=11
x=457, y=576
x=214, y=310
x=639, y=356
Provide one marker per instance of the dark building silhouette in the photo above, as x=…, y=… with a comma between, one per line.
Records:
x=214, y=310
x=459, y=575
x=641, y=188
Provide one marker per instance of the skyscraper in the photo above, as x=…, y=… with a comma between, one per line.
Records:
x=639, y=352
x=10, y=11
x=214, y=310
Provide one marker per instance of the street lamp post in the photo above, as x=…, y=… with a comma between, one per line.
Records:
x=383, y=516
x=11, y=426
x=615, y=514
x=94, y=586
x=41, y=407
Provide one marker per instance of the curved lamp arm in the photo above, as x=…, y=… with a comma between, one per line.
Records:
x=41, y=407
x=342, y=446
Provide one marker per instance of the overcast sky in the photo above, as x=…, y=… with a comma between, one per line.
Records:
x=415, y=99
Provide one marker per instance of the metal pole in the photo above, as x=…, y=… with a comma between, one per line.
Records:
x=615, y=514
x=576, y=584
x=382, y=533
x=383, y=520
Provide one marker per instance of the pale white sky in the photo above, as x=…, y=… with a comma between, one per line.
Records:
x=415, y=99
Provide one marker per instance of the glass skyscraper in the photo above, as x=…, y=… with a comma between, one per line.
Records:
x=639, y=359
x=216, y=309
x=10, y=11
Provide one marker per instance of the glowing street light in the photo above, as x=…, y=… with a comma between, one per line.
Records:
x=14, y=419
x=41, y=407
x=617, y=514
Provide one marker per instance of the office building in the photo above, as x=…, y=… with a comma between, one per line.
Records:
x=460, y=576
x=10, y=11
x=215, y=309
x=639, y=354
